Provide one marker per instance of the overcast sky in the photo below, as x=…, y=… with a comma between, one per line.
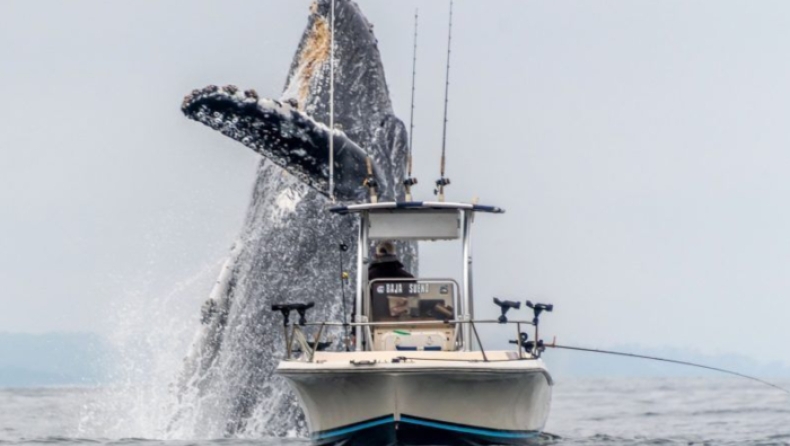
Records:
x=640, y=149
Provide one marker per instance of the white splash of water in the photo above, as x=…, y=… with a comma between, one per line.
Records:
x=149, y=337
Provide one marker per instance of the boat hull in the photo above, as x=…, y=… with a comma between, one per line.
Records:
x=426, y=401
x=421, y=432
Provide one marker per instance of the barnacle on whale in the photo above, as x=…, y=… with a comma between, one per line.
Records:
x=315, y=52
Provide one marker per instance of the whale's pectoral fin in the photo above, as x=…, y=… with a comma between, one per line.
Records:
x=285, y=135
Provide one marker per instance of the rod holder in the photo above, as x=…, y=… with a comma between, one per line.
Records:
x=539, y=308
x=505, y=306
x=300, y=309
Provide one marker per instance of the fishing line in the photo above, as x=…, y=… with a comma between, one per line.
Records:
x=343, y=276
x=673, y=361
x=407, y=358
x=410, y=181
x=332, y=106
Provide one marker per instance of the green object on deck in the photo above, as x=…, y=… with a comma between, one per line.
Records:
x=400, y=332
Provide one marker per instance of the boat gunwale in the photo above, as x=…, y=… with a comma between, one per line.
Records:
x=394, y=371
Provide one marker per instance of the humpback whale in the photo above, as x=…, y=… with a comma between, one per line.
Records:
x=288, y=247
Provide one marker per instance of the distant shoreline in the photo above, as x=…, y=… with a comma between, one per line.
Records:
x=83, y=360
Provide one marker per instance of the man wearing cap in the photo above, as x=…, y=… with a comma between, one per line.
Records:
x=386, y=265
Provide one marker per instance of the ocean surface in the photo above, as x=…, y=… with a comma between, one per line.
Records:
x=612, y=411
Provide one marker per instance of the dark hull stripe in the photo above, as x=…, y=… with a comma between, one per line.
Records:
x=494, y=433
x=349, y=429
x=414, y=430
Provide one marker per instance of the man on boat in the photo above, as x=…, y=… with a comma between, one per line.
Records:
x=386, y=265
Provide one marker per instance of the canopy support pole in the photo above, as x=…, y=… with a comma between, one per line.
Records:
x=362, y=277
x=467, y=304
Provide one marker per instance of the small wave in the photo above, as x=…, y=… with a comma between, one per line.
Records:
x=599, y=439
x=151, y=442
x=58, y=440
x=741, y=411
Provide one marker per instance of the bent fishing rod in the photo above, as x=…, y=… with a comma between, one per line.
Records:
x=672, y=361
x=537, y=347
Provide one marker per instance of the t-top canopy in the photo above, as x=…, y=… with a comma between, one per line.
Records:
x=389, y=205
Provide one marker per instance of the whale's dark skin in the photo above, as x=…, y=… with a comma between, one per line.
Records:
x=288, y=248
x=288, y=137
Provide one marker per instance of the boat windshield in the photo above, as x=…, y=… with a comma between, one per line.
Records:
x=403, y=300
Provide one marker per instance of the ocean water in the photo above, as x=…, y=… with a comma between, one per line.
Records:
x=612, y=411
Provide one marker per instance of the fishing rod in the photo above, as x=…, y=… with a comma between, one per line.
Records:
x=370, y=180
x=343, y=278
x=538, y=346
x=673, y=361
x=332, y=105
x=411, y=181
x=442, y=182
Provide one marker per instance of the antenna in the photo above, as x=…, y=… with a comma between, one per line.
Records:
x=332, y=106
x=442, y=182
x=410, y=181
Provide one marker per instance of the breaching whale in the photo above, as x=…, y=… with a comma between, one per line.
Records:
x=288, y=247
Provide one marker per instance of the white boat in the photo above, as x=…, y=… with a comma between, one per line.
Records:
x=416, y=372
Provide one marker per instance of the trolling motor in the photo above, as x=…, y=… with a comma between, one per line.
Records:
x=505, y=306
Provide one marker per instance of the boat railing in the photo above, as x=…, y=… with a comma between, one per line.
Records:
x=295, y=334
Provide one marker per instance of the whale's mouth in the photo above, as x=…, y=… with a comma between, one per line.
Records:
x=284, y=134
